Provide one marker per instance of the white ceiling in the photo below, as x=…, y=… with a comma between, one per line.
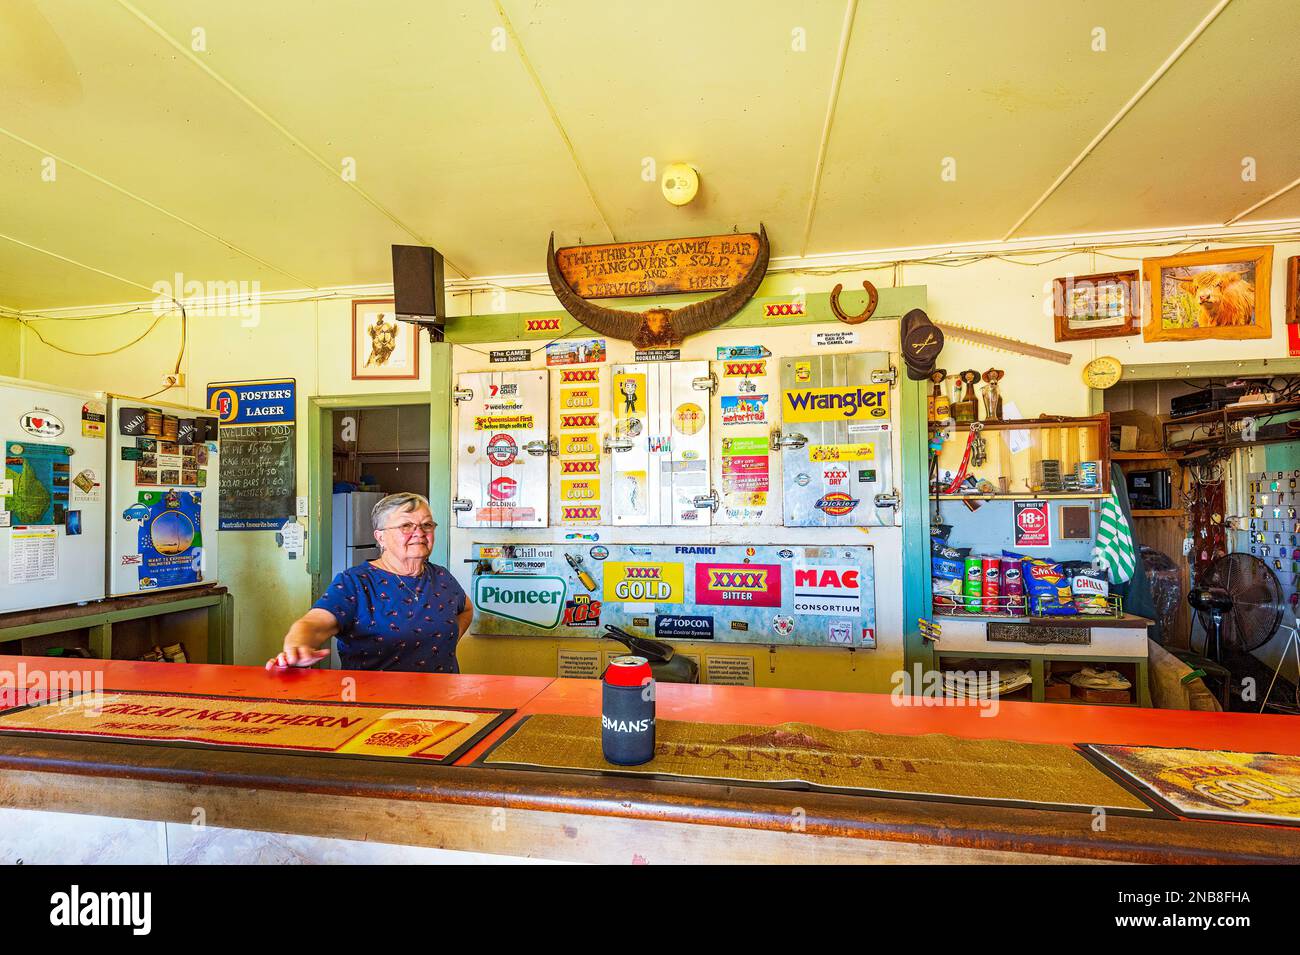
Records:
x=479, y=127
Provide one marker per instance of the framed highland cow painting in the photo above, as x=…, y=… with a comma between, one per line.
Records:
x=1200, y=295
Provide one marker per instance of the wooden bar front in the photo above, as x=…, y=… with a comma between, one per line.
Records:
x=596, y=818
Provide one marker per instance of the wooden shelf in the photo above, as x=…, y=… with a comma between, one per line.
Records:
x=1145, y=455
x=1231, y=414
x=1025, y=496
x=1169, y=512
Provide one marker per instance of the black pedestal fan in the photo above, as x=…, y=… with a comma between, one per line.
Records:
x=1238, y=601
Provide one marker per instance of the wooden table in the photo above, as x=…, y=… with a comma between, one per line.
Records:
x=341, y=808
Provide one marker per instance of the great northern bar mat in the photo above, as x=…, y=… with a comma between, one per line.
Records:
x=1210, y=783
x=799, y=755
x=436, y=734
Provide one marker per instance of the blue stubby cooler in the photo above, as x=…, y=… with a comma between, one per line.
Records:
x=627, y=715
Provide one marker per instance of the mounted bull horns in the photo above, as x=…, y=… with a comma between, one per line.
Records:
x=659, y=327
x=873, y=297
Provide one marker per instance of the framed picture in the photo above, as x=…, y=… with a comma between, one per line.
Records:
x=1219, y=294
x=382, y=347
x=1105, y=305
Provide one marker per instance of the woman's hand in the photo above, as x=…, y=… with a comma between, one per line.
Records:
x=304, y=643
x=296, y=656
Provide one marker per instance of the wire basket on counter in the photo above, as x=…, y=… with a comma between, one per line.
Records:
x=1024, y=606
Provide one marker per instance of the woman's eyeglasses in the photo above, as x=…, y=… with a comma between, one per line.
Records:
x=409, y=530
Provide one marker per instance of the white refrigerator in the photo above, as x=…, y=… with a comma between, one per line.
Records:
x=164, y=475
x=52, y=496
x=354, y=539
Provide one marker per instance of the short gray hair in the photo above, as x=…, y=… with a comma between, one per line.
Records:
x=393, y=503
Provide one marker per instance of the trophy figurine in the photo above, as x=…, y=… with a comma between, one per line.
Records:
x=967, y=409
x=992, y=396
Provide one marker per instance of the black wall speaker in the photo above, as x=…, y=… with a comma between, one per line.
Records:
x=417, y=284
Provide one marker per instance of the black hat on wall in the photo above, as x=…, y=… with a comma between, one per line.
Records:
x=921, y=341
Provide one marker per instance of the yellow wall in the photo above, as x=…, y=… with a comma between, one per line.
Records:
x=311, y=342
x=10, y=352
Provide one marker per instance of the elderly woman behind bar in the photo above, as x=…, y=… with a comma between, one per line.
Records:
x=399, y=612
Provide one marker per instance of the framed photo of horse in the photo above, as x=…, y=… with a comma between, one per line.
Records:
x=383, y=349
x=1201, y=295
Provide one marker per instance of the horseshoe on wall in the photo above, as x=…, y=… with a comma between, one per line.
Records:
x=872, y=298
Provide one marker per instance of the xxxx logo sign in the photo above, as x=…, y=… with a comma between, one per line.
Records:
x=541, y=324
x=738, y=580
x=728, y=585
x=743, y=369
x=586, y=514
x=578, y=420
x=579, y=467
x=776, y=309
x=643, y=573
x=579, y=374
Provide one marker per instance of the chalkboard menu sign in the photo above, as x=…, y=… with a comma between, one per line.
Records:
x=258, y=479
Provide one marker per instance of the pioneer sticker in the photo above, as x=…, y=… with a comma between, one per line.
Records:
x=536, y=601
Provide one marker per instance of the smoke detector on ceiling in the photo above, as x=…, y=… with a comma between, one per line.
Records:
x=680, y=183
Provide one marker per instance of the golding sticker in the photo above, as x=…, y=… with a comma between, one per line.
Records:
x=503, y=489
x=537, y=601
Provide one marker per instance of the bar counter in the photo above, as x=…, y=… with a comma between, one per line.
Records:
x=166, y=803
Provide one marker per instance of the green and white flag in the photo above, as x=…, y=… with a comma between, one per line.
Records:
x=1115, y=550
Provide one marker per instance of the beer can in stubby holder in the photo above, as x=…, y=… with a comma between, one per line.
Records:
x=974, y=584
x=1013, y=587
x=627, y=715
x=990, y=573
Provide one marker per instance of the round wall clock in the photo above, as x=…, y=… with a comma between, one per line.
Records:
x=1102, y=372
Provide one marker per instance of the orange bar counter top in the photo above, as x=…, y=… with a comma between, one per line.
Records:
x=605, y=818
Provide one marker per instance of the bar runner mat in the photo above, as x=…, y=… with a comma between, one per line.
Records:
x=1210, y=783
x=803, y=756
x=428, y=734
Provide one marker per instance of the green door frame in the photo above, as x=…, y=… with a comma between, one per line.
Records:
x=320, y=471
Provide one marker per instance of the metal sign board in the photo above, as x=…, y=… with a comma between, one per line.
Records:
x=838, y=436
x=661, y=418
x=503, y=464
x=769, y=594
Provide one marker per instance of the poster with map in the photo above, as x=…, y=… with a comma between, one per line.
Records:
x=40, y=474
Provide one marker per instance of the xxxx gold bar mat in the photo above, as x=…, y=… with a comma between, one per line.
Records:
x=1212, y=784
x=434, y=734
x=799, y=755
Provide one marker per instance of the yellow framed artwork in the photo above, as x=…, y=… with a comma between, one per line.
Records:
x=1202, y=295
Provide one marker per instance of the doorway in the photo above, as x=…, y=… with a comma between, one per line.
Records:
x=1212, y=469
x=362, y=447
